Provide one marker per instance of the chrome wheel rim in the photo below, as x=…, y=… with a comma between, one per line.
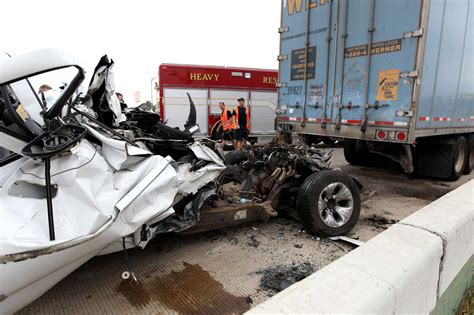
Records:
x=460, y=159
x=335, y=204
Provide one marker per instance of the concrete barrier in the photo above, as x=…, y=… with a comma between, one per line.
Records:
x=404, y=269
x=452, y=219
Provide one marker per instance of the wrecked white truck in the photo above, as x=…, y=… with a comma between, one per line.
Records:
x=78, y=179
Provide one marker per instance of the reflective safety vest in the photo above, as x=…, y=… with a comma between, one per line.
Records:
x=247, y=112
x=226, y=123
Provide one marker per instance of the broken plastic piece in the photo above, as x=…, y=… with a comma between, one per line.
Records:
x=347, y=240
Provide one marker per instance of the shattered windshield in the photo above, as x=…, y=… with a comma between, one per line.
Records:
x=50, y=85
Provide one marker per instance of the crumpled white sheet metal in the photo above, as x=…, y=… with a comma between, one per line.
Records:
x=106, y=74
x=190, y=182
x=202, y=152
x=118, y=152
x=88, y=189
x=90, y=181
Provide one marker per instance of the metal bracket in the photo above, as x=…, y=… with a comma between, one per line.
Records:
x=297, y=105
x=409, y=74
x=282, y=57
x=316, y=106
x=375, y=106
x=349, y=106
x=280, y=111
x=281, y=84
x=283, y=29
x=365, y=119
x=404, y=113
x=416, y=33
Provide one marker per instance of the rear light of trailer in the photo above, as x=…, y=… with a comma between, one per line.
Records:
x=381, y=135
x=401, y=136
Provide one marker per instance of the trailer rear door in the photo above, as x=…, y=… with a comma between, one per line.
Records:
x=361, y=53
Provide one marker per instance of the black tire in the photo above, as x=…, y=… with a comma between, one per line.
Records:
x=459, y=158
x=355, y=151
x=315, y=187
x=470, y=154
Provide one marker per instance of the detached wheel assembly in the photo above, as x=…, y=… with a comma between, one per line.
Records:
x=329, y=203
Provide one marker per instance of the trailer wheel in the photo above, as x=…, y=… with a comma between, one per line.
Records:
x=355, y=151
x=470, y=154
x=459, y=157
x=328, y=203
x=349, y=151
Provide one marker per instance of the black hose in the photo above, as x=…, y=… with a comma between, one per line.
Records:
x=49, y=198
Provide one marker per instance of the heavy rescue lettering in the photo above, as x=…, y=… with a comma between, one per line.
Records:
x=295, y=6
x=193, y=76
x=270, y=80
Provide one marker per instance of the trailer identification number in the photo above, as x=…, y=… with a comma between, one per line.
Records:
x=387, y=87
x=294, y=90
x=377, y=48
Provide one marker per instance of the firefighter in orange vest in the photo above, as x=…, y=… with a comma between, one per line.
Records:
x=241, y=123
x=226, y=124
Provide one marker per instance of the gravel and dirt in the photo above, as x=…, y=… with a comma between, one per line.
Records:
x=232, y=270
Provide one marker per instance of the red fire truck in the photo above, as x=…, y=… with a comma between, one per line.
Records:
x=209, y=85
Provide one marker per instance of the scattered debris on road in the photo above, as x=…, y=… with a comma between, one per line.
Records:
x=278, y=278
x=346, y=239
x=380, y=222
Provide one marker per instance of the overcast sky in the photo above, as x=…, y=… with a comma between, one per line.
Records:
x=140, y=35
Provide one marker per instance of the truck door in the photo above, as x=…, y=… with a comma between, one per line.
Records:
x=355, y=53
x=262, y=106
x=378, y=62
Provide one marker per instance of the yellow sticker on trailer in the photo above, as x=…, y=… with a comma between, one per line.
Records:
x=387, y=85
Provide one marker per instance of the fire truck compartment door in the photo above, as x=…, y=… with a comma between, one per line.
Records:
x=262, y=108
x=229, y=97
x=177, y=107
